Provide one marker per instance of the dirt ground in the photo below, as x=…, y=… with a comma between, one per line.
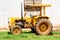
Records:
x=56, y=34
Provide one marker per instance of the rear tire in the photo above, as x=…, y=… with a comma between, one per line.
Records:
x=16, y=30
x=43, y=27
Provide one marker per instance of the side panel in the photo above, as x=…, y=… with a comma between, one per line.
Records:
x=28, y=19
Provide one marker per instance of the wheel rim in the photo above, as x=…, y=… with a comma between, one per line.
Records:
x=43, y=27
x=16, y=31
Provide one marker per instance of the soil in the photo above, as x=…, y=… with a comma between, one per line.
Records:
x=56, y=34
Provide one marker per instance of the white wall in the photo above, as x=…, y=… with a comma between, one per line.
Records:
x=9, y=8
x=54, y=11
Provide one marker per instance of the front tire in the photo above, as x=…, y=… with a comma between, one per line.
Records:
x=16, y=30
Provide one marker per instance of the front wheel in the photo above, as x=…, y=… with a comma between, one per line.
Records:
x=16, y=30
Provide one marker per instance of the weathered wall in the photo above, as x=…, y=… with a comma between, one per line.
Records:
x=8, y=8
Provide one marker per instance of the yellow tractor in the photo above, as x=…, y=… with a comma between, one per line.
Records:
x=39, y=24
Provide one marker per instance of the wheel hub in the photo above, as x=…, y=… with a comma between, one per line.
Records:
x=43, y=27
x=16, y=31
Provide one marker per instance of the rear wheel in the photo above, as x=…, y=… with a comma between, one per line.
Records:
x=16, y=30
x=43, y=27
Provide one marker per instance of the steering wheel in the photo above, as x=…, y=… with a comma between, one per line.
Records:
x=31, y=15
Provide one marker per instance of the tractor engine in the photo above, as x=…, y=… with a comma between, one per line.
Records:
x=23, y=23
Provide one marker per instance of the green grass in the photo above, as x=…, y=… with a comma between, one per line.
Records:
x=28, y=36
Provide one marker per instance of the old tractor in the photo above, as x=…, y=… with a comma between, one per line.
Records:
x=39, y=24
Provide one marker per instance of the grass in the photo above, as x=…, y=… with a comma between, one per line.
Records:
x=28, y=36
